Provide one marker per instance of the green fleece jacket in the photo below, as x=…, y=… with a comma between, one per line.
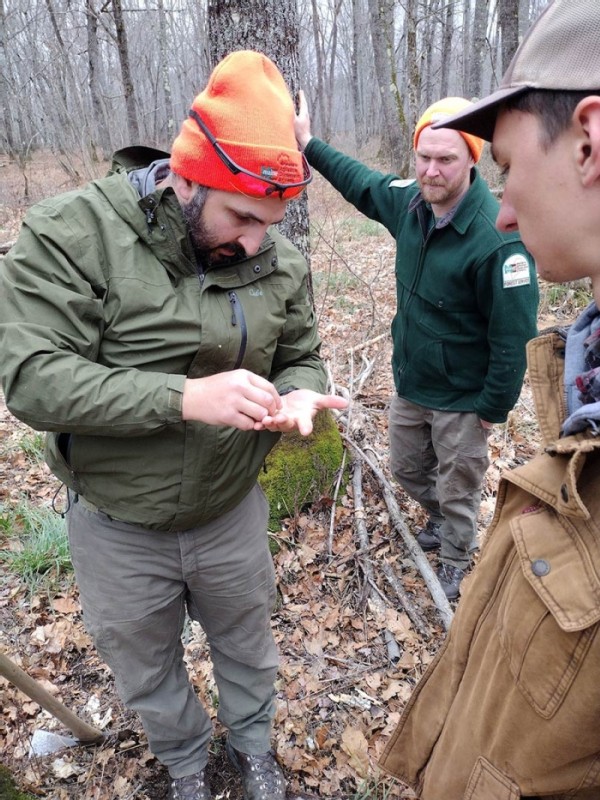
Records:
x=102, y=317
x=467, y=294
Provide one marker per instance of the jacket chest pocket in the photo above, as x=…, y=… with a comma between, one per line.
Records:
x=547, y=615
x=240, y=328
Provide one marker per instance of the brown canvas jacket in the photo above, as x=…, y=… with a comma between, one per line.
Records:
x=510, y=707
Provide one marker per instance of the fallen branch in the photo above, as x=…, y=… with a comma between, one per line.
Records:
x=377, y=597
x=411, y=609
x=363, y=536
x=335, y=496
x=392, y=647
x=416, y=554
x=362, y=345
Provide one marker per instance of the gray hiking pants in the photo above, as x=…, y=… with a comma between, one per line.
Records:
x=440, y=458
x=135, y=588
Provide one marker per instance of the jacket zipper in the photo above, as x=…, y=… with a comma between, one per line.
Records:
x=237, y=317
x=427, y=234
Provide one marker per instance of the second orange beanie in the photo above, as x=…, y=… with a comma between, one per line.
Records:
x=446, y=108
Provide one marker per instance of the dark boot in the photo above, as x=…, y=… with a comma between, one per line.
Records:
x=191, y=787
x=450, y=577
x=429, y=536
x=262, y=778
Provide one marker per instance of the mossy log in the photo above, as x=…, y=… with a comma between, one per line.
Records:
x=301, y=469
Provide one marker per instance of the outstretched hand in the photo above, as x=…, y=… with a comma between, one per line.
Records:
x=298, y=411
x=302, y=122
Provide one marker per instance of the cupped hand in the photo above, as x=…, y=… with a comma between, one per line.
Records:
x=298, y=411
x=238, y=398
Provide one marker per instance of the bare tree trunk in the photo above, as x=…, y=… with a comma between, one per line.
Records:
x=508, y=21
x=7, y=139
x=237, y=25
x=477, y=49
x=357, y=48
x=394, y=132
x=66, y=84
x=332, y=62
x=128, y=89
x=321, y=118
x=447, y=30
x=413, y=75
x=99, y=113
x=163, y=38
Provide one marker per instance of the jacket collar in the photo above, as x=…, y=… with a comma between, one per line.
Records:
x=555, y=479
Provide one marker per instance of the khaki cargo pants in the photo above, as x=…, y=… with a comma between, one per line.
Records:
x=136, y=586
x=440, y=459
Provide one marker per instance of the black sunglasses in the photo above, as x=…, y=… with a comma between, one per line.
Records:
x=272, y=186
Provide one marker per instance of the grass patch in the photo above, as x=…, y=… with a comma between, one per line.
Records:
x=32, y=444
x=360, y=227
x=337, y=282
x=36, y=548
x=378, y=789
x=565, y=299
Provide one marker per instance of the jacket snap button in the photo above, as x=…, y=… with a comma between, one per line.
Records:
x=540, y=567
x=564, y=493
x=256, y=268
x=274, y=261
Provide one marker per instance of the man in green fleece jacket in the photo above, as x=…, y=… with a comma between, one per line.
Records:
x=158, y=327
x=467, y=301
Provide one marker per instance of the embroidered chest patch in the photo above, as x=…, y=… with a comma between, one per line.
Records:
x=515, y=271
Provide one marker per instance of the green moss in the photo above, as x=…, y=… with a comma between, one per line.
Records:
x=300, y=470
x=8, y=790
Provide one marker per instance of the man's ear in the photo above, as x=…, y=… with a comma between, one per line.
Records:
x=184, y=188
x=586, y=119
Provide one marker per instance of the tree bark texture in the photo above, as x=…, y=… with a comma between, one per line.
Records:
x=394, y=124
x=128, y=88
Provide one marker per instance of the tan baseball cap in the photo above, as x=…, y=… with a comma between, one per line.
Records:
x=561, y=50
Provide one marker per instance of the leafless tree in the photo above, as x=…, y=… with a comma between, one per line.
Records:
x=87, y=76
x=126, y=77
x=478, y=48
x=508, y=21
x=394, y=123
x=102, y=133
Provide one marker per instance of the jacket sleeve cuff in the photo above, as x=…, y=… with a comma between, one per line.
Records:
x=175, y=384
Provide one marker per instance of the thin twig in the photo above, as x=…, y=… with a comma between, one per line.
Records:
x=415, y=552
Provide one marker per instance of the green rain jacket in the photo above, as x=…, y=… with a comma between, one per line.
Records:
x=467, y=294
x=103, y=316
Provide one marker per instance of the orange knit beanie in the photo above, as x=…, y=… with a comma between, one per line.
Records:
x=247, y=108
x=446, y=108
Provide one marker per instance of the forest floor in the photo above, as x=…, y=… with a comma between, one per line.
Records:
x=341, y=687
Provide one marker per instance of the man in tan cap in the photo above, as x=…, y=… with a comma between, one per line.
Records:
x=466, y=305
x=159, y=327
x=511, y=706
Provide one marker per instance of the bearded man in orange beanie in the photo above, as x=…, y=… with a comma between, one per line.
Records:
x=158, y=326
x=466, y=306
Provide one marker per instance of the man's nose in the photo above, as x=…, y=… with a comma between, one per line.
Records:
x=252, y=241
x=506, y=221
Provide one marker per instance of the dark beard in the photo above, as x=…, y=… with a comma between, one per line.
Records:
x=203, y=240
